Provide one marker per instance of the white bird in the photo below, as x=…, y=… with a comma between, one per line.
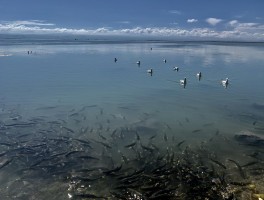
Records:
x=183, y=82
x=176, y=68
x=164, y=60
x=225, y=82
x=138, y=62
x=199, y=75
x=150, y=71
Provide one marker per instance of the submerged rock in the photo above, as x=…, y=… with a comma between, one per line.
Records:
x=250, y=138
x=258, y=106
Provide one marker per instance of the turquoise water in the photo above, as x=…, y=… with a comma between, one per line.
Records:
x=57, y=82
x=76, y=75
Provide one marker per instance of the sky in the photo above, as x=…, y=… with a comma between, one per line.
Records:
x=180, y=19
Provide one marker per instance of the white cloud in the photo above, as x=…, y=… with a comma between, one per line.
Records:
x=123, y=22
x=249, y=27
x=252, y=28
x=233, y=22
x=213, y=21
x=29, y=23
x=177, y=12
x=192, y=20
x=174, y=23
x=238, y=31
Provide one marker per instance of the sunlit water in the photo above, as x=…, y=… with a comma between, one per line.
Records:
x=76, y=75
x=58, y=81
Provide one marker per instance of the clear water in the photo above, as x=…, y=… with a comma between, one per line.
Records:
x=76, y=75
x=56, y=81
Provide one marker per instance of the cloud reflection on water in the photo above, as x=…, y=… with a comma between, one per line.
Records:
x=208, y=53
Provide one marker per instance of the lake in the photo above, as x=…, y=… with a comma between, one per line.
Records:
x=63, y=100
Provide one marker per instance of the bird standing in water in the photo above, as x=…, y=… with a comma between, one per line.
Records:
x=176, y=68
x=183, y=82
x=150, y=71
x=199, y=75
x=225, y=82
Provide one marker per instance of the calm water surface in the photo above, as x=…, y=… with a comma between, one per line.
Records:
x=82, y=86
x=77, y=75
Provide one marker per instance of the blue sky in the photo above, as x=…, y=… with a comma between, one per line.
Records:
x=201, y=19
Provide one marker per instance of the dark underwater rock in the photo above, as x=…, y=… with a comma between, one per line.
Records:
x=258, y=106
x=250, y=138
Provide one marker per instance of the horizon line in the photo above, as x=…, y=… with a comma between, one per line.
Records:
x=143, y=38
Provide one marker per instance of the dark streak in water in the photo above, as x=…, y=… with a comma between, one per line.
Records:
x=130, y=145
x=258, y=106
x=22, y=124
x=46, y=108
x=88, y=196
x=250, y=164
x=218, y=163
x=242, y=173
x=180, y=143
x=259, y=128
x=6, y=163
x=196, y=131
x=208, y=124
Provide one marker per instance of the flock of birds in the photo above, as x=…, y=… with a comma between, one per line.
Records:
x=183, y=82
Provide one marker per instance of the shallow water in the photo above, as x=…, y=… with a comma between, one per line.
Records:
x=80, y=87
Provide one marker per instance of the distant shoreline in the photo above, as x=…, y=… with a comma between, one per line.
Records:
x=12, y=39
